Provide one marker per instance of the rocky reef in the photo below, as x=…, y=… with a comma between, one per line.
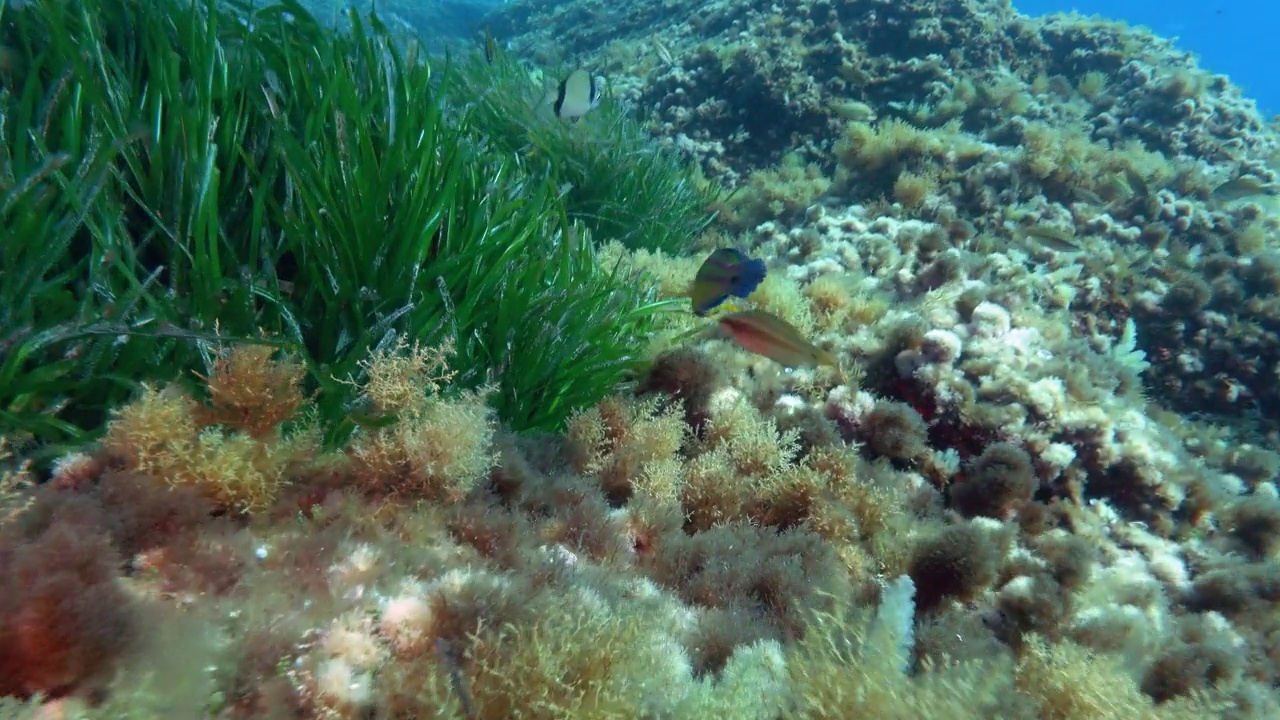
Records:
x=1039, y=485
x=1102, y=138
x=1045, y=247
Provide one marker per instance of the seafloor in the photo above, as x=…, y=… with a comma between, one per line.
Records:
x=1048, y=253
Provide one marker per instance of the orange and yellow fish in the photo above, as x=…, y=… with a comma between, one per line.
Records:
x=769, y=335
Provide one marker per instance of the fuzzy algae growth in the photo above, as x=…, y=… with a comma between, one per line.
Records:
x=526, y=585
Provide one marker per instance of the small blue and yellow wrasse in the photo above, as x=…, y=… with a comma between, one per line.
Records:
x=769, y=335
x=726, y=272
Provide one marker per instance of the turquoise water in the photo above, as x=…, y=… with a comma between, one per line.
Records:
x=1233, y=37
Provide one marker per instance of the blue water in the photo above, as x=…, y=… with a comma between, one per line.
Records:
x=1234, y=37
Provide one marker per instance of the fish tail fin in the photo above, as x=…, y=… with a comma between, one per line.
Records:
x=753, y=273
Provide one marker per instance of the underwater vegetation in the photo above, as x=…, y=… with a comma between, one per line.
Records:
x=615, y=180
x=180, y=174
x=457, y=386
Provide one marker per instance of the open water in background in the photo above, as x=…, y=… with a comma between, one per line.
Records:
x=1238, y=38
